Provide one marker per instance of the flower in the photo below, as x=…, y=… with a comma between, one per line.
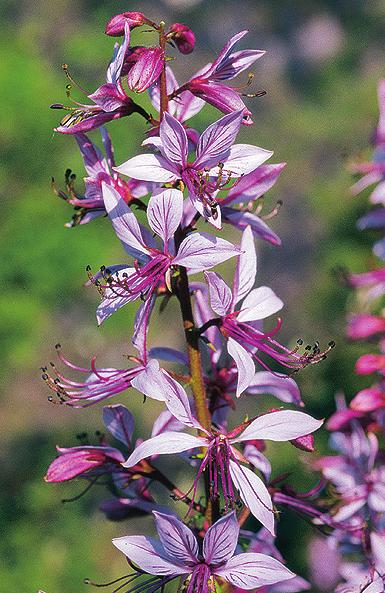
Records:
x=217, y=161
x=99, y=169
x=177, y=554
x=116, y=25
x=363, y=326
x=221, y=459
x=110, y=100
x=183, y=37
x=143, y=66
x=197, y=252
x=208, y=85
x=245, y=338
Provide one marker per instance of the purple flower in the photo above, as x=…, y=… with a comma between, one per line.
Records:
x=177, y=554
x=197, y=252
x=109, y=100
x=116, y=25
x=183, y=37
x=99, y=169
x=143, y=66
x=208, y=85
x=242, y=329
x=221, y=459
x=217, y=161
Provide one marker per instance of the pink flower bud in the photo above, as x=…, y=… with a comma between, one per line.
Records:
x=364, y=326
x=305, y=443
x=370, y=363
x=368, y=400
x=183, y=37
x=143, y=66
x=115, y=26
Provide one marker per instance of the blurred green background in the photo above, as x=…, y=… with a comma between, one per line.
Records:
x=324, y=59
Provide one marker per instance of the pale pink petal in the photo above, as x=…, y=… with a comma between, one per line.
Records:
x=164, y=213
x=281, y=386
x=148, y=167
x=201, y=251
x=259, y=304
x=252, y=570
x=246, y=269
x=148, y=554
x=119, y=422
x=220, y=293
x=244, y=362
x=217, y=139
x=177, y=539
x=243, y=158
x=174, y=140
x=164, y=444
x=283, y=425
x=221, y=540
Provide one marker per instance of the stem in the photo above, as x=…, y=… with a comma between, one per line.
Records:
x=163, y=77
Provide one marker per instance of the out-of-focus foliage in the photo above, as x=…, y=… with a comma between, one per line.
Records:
x=320, y=73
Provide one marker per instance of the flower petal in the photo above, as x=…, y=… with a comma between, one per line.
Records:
x=243, y=158
x=201, y=251
x=281, y=386
x=221, y=540
x=241, y=220
x=164, y=213
x=148, y=167
x=283, y=425
x=148, y=554
x=254, y=494
x=259, y=304
x=245, y=365
x=220, y=294
x=252, y=570
x=177, y=539
x=246, y=269
x=163, y=444
x=119, y=422
x=217, y=139
x=174, y=140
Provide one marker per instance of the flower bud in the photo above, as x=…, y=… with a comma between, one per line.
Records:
x=305, y=443
x=183, y=37
x=115, y=26
x=143, y=67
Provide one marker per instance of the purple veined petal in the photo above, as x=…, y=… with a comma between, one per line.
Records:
x=255, y=184
x=178, y=540
x=220, y=294
x=169, y=355
x=158, y=384
x=108, y=97
x=141, y=323
x=224, y=54
x=186, y=105
x=279, y=385
x=283, y=425
x=164, y=444
x=254, y=494
x=223, y=97
x=202, y=313
x=260, y=303
x=201, y=251
x=166, y=422
x=378, y=194
x=258, y=460
x=243, y=158
x=148, y=554
x=110, y=304
x=236, y=63
x=124, y=221
x=119, y=422
x=164, y=213
x=246, y=269
x=252, y=570
x=221, y=540
x=217, y=139
x=376, y=587
x=149, y=167
x=94, y=162
x=214, y=217
x=244, y=363
x=154, y=141
x=241, y=220
x=174, y=140
x=115, y=67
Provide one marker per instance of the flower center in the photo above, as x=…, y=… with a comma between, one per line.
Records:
x=201, y=580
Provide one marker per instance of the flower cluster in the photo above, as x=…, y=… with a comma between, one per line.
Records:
x=170, y=206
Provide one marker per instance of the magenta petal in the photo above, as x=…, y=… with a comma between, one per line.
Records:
x=220, y=294
x=164, y=213
x=108, y=97
x=163, y=444
x=94, y=162
x=148, y=554
x=174, y=140
x=224, y=98
x=221, y=540
x=255, y=184
x=119, y=422
x=236, y=63
x=177, y=539
x=74, y=461
x=146, y=69
x=254, y=494
x=217, y=139
x=224, y=53
x=249, y=571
